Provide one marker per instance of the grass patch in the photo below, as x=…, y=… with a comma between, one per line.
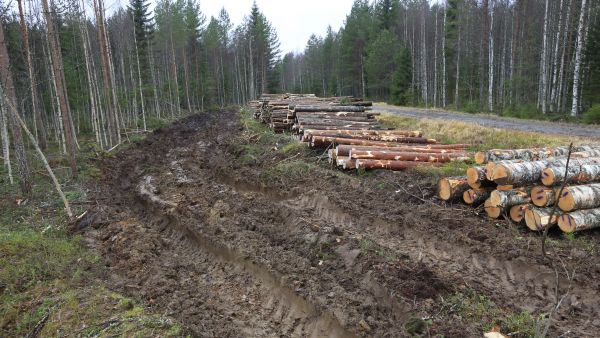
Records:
x=473, y=307
x=47, y=272
x=478, y=137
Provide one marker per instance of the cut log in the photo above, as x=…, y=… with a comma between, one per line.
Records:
x=532, y=154
x=317, y=141
x=407, y=156
x=300, y=129
x=505, y=187
x=538, y=219
x=585, y=173
x=476, y=177
x=543, y=196
x=335, y=133
x=322, y=108
x=580, y=197
x=508, y=198
x=518, y=173
x=344, y=150
x=334, y=122
x=492, y=211
x=517, y=212
x=475, y=197
x=452, y=187
x=391, y=165
x=579, y=220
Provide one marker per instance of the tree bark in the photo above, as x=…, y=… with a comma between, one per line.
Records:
x=38, y=122
x=580, y=197
x=6, y=82
x=61, y=90
x=580, y=220
x=578, y=60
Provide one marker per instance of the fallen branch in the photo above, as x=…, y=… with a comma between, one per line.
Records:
x=13, y=110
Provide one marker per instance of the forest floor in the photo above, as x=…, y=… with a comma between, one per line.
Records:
x=494, y=121
x=234, y=231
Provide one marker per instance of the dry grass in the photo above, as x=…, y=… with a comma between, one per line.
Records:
x=478, y=137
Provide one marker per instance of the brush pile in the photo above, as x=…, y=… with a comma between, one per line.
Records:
x=524, y=185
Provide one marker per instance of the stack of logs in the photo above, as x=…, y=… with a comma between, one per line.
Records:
x=524, y=184
x=290, y=112
x=351, y=133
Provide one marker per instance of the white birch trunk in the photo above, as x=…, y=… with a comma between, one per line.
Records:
x=5, y=140
x=544, y=64
x=578, y=58
x=555, y=58
x=491, y=60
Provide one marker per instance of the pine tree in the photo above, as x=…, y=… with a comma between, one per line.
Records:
x=400, y=93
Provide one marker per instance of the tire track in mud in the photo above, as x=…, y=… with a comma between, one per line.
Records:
x=240, y=258
x=533, y=287
x=277, y=307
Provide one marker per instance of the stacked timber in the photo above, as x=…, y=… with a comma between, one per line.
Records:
x=279, y=111
x=383, y=149
x=524, y=185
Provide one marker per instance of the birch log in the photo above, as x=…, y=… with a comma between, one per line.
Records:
x=475, y=197
x=532, y=154
x=580, y=220
x=542, y=196
x=584, y=173
x=476, y=177
x=580, y=197
x=508, y=198
x=452, y=187
x=538, y=219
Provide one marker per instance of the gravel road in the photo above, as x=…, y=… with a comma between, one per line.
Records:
x=557, y=128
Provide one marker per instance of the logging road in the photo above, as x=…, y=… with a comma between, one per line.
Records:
x=558, y=128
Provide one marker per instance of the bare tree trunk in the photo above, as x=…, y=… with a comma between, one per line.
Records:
x=113, y=128
x=555, y=59
x=61, y=90
x=7, y=82
x=491, y=61
x=444, y=61
x=424, y=59
x=435, y=61
x=40, y=130
x=578, y=58
x=139, y=73
x=544, y=64
x=5, y=140
x=561, y=73
x=457, y=84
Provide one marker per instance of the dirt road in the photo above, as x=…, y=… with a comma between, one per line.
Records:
x=232, y=247
x=556, y=128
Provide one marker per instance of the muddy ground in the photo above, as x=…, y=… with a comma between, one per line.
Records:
x=486, y=120
x=235, y=248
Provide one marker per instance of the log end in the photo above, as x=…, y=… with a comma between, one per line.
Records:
x=566, y=223
x=566, y=202
x=532, y=220
x=499, y=174
x=492, y=211
x=495, y=198
x=539, y=196
x=517, y=212
x=548, y=177
x=468, y=196
x=473, y=178
x=444, y=189
x=489, y=171
x=480, y=157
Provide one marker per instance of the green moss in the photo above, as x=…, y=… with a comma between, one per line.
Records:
x=592, y=116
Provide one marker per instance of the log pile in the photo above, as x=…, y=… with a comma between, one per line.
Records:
x=524, y=185
x=352, y=135
x=279, y=112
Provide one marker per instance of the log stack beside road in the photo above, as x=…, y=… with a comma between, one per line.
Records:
x=352, y=135
x=524, y=186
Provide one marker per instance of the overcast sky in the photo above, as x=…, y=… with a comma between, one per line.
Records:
x=294, y=20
